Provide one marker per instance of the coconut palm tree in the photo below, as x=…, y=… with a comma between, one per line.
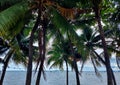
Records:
x=61, y=53
x=8, y=22
x=8, y=56
x=64, y=25
x=6, y=34
x=106, y=55
x=12, y=52
x=114, y=43
x=16, y=39
x=97, y=7
x=92, y=42
x=57, y=57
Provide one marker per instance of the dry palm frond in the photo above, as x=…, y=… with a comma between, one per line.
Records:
x=69, y=13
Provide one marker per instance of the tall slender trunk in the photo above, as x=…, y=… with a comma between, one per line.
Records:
x=113, y=76
x=42, y=48
x=77, y=73
x=39, y=73
x=41, y=55
x=106, y=56
x=67, y=82
x=114, y=80
x=82, y=67
x=29, y=68
x=74, y=60
x=5, y=66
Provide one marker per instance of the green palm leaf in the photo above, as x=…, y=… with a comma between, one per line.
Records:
x=9, y=19
x=65, y=28
x=10, y=2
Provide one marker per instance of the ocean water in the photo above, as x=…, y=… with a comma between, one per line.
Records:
x=16, y=75
x=59, y=78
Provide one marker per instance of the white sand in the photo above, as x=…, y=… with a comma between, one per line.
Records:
x=59, y=78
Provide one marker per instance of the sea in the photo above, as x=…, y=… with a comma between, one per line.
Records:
x=16, y=74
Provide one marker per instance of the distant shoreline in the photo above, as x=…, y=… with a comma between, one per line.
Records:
x=53, y=71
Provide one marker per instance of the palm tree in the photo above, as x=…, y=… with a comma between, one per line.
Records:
x=115, y=35
x=8, y=56
x=91, y=40
x=6, y=23
x=66, y=27
x=14, y=52
x=57, y=57
x=16, y=22
x=61, y=44
x=106, y=55
x=61, y=53
x=96, y=6
x=15, y=38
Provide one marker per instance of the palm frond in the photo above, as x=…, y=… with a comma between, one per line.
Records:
x=87, y=33
x=59, y=21
x=3, y=2
x=10, y=17
x=65, y=27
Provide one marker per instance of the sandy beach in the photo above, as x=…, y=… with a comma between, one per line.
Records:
x=59, y=78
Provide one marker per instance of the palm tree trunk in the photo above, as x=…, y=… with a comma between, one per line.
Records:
x=5, y=66
x=41, y=56
x=29, y=68
x=77, y=73
x=114, y=80
x=82, y=67
x=67, y=82
x=106, y=56
x=39, y=73
x=74, y=61
x=42, y=48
